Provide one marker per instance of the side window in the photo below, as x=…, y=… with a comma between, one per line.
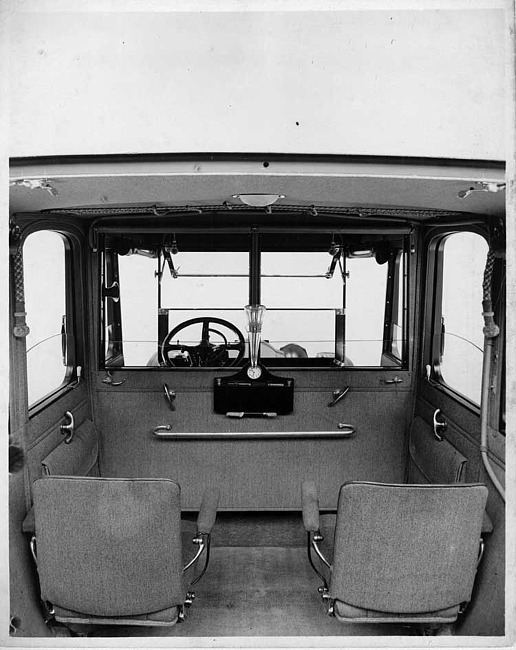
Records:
x=458, y=341
x=49, y=348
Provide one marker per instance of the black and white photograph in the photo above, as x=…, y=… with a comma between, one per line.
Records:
x=258, y=308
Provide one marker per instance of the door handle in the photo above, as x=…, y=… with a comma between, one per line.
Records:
x=68, y=428
x=439, y=427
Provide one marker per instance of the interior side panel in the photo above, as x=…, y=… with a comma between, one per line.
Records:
x=43, y=435
x=253, y=474
x=24, y=588
x=462, y=436
x=485, y=614
x=38, y=432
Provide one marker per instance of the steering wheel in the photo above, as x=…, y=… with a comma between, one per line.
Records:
x=204, y=353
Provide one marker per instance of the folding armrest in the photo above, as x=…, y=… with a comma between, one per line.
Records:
x=205, y=522
x=29, y=523
x=487, y=524
x=208, y=511
x=310, y=504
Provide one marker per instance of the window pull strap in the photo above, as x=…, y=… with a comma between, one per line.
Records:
x=20, y=328
x=491, y=329
x=18, y=412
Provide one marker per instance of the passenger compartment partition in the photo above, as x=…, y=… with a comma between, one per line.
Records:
x=432, y=460
x=258, y=463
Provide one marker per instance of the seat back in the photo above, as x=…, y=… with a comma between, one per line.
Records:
x=406, y=549
x=109, y=547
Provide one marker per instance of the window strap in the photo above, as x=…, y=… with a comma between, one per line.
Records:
x=20, y=328
x=491, y=329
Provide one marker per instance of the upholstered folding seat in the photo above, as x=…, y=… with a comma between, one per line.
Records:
x=109, y=551
x=401, y=553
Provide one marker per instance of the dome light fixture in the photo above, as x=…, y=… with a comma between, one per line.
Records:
x=258, y=200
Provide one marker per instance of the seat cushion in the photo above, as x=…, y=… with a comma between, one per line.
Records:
x=350, y=614
x=164, y=617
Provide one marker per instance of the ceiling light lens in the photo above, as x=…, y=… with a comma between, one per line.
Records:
x=258, y=200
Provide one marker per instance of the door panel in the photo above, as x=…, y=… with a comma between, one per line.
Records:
x=462, y=432
x=433, y=459
x=42, y=434
x=55, y=373
x=454, y=290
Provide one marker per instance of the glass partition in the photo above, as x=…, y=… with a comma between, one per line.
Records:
x=326, y=302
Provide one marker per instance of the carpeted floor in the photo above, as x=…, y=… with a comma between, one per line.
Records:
x=258, y=591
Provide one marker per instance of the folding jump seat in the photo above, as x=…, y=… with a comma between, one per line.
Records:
x=398, y=553
x=111, y=551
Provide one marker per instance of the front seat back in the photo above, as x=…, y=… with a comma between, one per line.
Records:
x=109, y=549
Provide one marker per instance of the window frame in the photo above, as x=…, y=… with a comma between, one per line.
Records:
x=392, y=299
x=110, y=310
x=433, y=289
x=74, y=347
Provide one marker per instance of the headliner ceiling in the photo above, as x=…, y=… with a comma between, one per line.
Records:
x=197, y=182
